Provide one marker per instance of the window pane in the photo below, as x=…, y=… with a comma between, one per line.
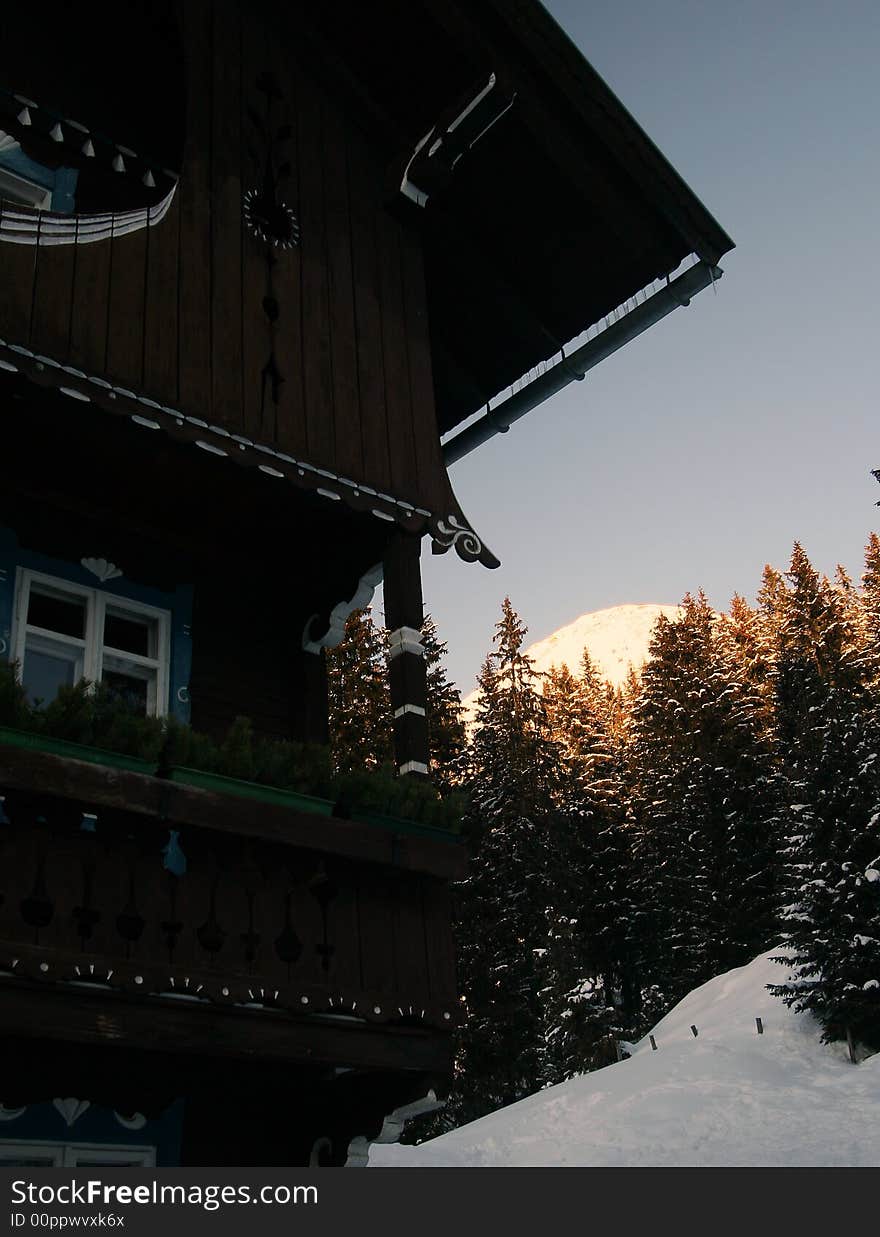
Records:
x=130, y=689
x=45, y=672
x=66, y=615
x=130, y=632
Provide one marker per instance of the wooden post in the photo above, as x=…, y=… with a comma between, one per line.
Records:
x=653, y=1043
x=404, y=615
x=760, y=1026
x=695, y=1031
x=851, y=1048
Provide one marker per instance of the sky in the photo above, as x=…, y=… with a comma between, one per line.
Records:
x=707, y=446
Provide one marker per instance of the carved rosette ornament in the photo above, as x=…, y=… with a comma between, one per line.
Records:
x=269, y=220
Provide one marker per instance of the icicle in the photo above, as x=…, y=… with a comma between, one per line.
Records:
x=56, y=133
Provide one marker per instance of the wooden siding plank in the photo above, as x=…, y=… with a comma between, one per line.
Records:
x=160, y=324
x=195, y=217
x=433, y=486
x=258, y=409
x=365, y=205
x=125, y=315
x=401, y=445
x=376, y=925
x=226, y=309
x=437, y=904
x=410, y=954
x=291, y=428
x=89, y=300
x=17, y=271
x=346, y=399
x=343, y=917
x=317, y=364
x=53, y=292
x=307, y=923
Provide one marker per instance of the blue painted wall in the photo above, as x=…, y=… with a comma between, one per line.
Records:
x=44, y=1123
x=61, y=182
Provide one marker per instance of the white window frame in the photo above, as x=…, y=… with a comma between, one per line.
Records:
x=93, y=652
x=19, y=190
x=68, y=1155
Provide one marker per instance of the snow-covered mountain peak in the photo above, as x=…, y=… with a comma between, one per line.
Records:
x=617, y=638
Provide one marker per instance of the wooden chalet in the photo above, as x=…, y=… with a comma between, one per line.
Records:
x=265, y=269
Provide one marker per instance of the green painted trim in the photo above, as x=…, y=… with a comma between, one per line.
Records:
x=75, y=751
x=220, y=784
x=397, y=824
x=250, y=790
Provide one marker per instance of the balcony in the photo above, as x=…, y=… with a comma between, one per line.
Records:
x=220, y=917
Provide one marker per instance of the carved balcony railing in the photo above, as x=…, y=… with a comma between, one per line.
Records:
x=140, y=891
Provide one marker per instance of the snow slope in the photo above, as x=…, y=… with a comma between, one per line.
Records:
x=729, y=1097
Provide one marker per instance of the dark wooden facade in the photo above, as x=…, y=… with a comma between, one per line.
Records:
x=305, y=242
x=319, y=351
x=278, y=911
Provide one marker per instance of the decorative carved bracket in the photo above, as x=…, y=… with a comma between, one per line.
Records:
x=392, y=1128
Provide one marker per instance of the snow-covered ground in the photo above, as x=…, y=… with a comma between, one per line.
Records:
x=728, y=1097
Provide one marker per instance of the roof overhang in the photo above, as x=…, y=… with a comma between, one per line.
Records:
x=447, y=530
x=543, y=205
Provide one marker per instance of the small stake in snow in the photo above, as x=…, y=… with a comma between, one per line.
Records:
x=759, y=1024
x=653, y=1043
x=695, y=1031
x=851, y=1048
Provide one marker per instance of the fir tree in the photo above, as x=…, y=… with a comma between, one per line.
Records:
x=358, y=697
x=705, y=801
x=446, y=730
x=513, y=825
x=593, y=989
x=828, y=728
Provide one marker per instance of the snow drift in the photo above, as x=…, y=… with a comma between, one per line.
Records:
x=727, y=1097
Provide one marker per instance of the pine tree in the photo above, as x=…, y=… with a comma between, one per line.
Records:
x=358, y=697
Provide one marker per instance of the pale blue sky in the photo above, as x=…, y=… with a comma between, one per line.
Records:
x=704, y=448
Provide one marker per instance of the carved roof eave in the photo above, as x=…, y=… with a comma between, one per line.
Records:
x=447, y=530
x=76, y=145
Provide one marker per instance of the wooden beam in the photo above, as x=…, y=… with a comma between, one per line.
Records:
x=118, y=1021
x=404, y=615
x=174, y=803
